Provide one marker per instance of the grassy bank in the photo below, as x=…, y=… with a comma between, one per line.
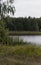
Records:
x=24, y=33
x=20, y=55
x=21, y=50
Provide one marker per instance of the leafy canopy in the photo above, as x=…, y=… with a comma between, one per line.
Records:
x=6, y=8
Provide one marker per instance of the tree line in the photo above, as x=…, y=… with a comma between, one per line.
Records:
x=23, y=24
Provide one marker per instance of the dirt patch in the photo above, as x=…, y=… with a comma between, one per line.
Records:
x=18, y=60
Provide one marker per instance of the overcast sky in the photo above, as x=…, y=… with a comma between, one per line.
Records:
x=25, y=8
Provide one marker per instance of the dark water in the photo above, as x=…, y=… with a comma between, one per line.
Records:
x=32, y=39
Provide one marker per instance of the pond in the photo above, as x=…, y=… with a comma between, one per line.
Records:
x=32, y=39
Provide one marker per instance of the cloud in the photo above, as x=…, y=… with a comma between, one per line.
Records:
x=28, y=8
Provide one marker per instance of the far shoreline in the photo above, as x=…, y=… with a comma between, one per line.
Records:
x=24, y=33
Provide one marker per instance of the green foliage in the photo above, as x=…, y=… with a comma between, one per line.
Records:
x=3, y=32
x=4, y=39
x=23, y=24
x=6, y=8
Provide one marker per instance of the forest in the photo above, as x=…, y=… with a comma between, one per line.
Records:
x=23, y=24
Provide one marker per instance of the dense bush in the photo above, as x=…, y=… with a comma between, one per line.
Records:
x=4, y=39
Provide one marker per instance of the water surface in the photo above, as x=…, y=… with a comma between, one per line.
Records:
x=31, y=39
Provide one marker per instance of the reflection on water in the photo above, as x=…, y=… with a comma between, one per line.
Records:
x=32, y=39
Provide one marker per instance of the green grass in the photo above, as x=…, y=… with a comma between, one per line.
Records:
x=21, y=50
x=24, y=33
x=20, y=55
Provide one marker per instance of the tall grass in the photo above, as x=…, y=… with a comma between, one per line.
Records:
x=25, y=50
x=20, y=55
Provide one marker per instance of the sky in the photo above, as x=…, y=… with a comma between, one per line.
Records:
x=25, y=8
